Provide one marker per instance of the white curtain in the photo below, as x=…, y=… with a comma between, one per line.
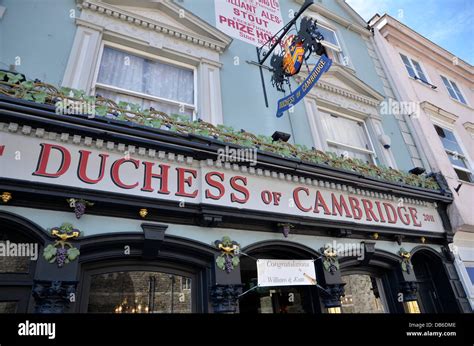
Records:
x=145, y=103
x=130, y=72
x=347, y=132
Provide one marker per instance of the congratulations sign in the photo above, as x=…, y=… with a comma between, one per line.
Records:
x=251, y=21
x=166, y=176
x=296, y=96
x=272, y=272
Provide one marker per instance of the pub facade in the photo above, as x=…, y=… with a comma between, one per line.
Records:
x=142, y=175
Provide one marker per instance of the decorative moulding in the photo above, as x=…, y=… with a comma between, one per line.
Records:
x=218, y=42
x=469, y=128
x=338, y=19
x=438, y=114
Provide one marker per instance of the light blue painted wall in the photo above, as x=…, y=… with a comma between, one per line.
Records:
x=242, y=93
x=40, y=33
x=243, y=102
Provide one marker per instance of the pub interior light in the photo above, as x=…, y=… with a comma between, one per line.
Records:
x=280, y=136
x=417, y=170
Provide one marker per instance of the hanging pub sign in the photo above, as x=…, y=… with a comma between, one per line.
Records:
x=290, y=52
x=296, y=96
x=271, y=272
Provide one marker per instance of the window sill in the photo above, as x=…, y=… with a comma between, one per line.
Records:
x=423, y=83
x=465, y=182
x=462, y=104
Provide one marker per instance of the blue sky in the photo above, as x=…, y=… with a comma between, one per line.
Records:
x=448, y=23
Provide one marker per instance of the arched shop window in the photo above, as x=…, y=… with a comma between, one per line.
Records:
x=21, y=244
x=174, y=279
x=435, y=294
x=140, y=292
x=371, y=286
x=363, y=294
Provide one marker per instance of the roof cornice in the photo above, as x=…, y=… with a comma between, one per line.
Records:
x=393, y=28
x=358, y=28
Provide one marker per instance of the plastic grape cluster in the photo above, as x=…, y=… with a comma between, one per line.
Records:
x=79, y=209
x=61, y=256
x=228, y=264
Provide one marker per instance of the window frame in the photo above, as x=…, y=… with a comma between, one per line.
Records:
x=109, y=267
x=329, y=44
x=450, y=81
x=149, y=56
x=340, y=49
x=462, y=155
x=410, y=60
x=372, y=153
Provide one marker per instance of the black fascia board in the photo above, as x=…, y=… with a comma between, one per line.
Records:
x=200, y=147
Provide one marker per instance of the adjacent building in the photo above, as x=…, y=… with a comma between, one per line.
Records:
x=138, y=153
x=439, y=86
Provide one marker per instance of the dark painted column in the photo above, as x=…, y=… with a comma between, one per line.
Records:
x=407, y=284
x=455, y=281
x=225, y=298
x=56, y=280
x=53, y=296
x=225, y=292
x=329, y=278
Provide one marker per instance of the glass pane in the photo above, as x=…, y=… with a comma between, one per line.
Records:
x=448, y=86
x=122, y=70
x=170, y=82
x=145, y=103
x=140, y=292
x=18, y=261
x=345, y=131
x=448, y=140
x=8, y=307
x=456, y=160
x=470, y=272
x=342, y=151
x=419, y=71
x=410, y=70
x=130, y=72
x=329, y=35
x=458, y=92
x=362, y=295
x=463, y=175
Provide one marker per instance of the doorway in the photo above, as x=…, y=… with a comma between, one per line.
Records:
x=363, y=294
x=435, y=294
x=278, y=299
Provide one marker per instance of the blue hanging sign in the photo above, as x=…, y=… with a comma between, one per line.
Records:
x=324, y=63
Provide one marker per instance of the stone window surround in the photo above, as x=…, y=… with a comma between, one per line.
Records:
x=145, y=55
x=330, y=98
x=101, y=22
x=447, y=120
x=322, y=21
x=451, y=80
x=412, y=58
